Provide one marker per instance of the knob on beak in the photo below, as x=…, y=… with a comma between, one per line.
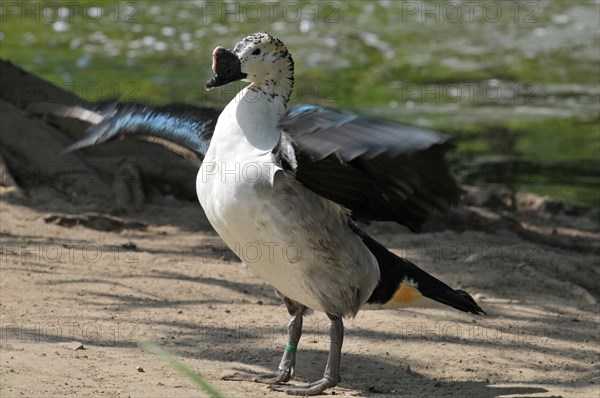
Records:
x=227, y=68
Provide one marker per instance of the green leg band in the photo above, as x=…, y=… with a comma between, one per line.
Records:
x=290, y=347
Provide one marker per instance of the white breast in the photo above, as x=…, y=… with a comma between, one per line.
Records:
x=290, y=236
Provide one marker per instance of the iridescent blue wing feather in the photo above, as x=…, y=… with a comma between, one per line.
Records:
x=183, y=129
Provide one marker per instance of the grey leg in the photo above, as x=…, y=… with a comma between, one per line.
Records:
x=332, y=371
x=287, y=366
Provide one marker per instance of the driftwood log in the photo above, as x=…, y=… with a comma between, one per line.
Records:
x=120, y=173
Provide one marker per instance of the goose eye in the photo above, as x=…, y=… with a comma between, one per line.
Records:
x=256, y=52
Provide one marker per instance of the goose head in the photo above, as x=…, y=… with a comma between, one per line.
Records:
x=260, y=59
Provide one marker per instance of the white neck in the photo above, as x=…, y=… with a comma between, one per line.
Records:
x=250, y=120
x=256, y=114
x=256, y=111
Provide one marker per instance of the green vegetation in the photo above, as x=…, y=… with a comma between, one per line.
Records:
x=181, y=367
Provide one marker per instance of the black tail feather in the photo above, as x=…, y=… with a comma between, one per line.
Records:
x=396, y=270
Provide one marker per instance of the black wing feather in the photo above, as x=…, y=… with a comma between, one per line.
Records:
x=379, y=170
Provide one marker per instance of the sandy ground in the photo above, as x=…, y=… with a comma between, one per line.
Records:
x=161, y=274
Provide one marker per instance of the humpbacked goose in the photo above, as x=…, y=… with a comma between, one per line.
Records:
x=292, y=184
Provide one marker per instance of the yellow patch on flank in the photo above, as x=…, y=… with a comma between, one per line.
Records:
x=406, y=294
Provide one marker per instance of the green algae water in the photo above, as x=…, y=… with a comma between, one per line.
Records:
x=517, y=83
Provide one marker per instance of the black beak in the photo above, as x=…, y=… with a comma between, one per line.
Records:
x=227, y=68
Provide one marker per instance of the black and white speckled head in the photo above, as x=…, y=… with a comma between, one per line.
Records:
x=259, y=58
x=263, y=56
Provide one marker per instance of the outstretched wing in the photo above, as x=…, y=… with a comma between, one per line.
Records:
x=379, y=170
x=183, y=129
